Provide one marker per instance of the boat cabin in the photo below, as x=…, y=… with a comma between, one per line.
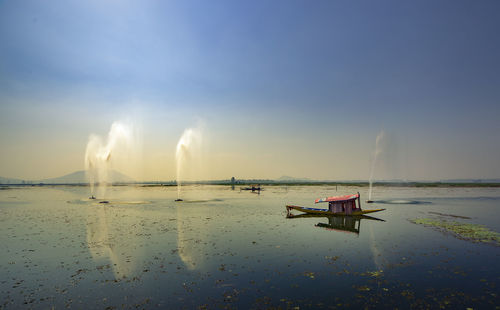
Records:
x=342, y=204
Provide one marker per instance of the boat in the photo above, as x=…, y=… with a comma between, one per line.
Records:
x=252, y=188
x=337, y=206
x=308, y=216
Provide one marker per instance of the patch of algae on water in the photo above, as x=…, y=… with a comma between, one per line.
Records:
x=472, y=232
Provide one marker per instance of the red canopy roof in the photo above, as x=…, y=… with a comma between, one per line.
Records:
x=338, y=198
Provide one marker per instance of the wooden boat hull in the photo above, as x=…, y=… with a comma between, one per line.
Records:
x=327, y=212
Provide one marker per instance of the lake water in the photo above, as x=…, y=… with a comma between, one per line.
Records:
x=224, y=248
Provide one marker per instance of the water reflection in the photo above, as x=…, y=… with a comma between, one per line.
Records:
x=402, y=202
x=192, y=233
x=350, y=224
x=110, y=238
x=188, y=255
x=198, y=200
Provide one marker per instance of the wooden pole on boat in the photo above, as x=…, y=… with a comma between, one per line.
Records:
x=359, y=201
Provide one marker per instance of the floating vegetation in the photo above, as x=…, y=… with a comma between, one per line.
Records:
x=471, y=232
x=375, y=274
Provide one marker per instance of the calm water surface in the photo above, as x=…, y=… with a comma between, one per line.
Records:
x=224, y=248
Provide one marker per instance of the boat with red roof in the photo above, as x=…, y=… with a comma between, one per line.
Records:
x=337, y=205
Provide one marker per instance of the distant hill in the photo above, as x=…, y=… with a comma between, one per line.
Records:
x=292, y=179
x=80, y=177
x=77, y=177
x=471, y=181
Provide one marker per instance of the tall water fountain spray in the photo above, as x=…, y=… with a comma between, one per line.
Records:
x=376, y=153
x=186, y=154
x=99, y=156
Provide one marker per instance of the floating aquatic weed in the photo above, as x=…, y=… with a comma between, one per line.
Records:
x=309, y=274
x=375, y=274
x=362, y=288
x=471, y=232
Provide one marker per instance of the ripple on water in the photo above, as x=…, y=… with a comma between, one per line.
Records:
x=199, y=200
x=402, y=202
x=102, y=201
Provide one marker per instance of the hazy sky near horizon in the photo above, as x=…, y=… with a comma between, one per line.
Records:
x=299, y=88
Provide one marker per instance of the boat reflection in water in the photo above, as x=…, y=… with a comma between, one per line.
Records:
x=350, y=224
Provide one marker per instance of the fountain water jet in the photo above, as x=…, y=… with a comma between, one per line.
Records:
x=188, y=149
x=376, y=153
x=99, y=155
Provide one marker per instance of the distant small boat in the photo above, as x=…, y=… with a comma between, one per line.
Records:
x=337, y=206
x=252, y=188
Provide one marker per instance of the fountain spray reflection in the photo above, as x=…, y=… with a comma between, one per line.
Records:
x=376, y=153
x=193, y=235
x=377, y=254
x=99, y=156
x=114, y=238
x=99, y=243
x=187, y=156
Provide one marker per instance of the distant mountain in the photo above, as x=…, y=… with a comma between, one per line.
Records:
x=77, y=177
x=293, y=179
x=471, y=181
x=80, y=177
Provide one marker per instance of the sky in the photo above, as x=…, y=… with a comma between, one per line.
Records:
x=295, y=88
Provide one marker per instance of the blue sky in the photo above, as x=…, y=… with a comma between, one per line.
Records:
x=283, y=87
